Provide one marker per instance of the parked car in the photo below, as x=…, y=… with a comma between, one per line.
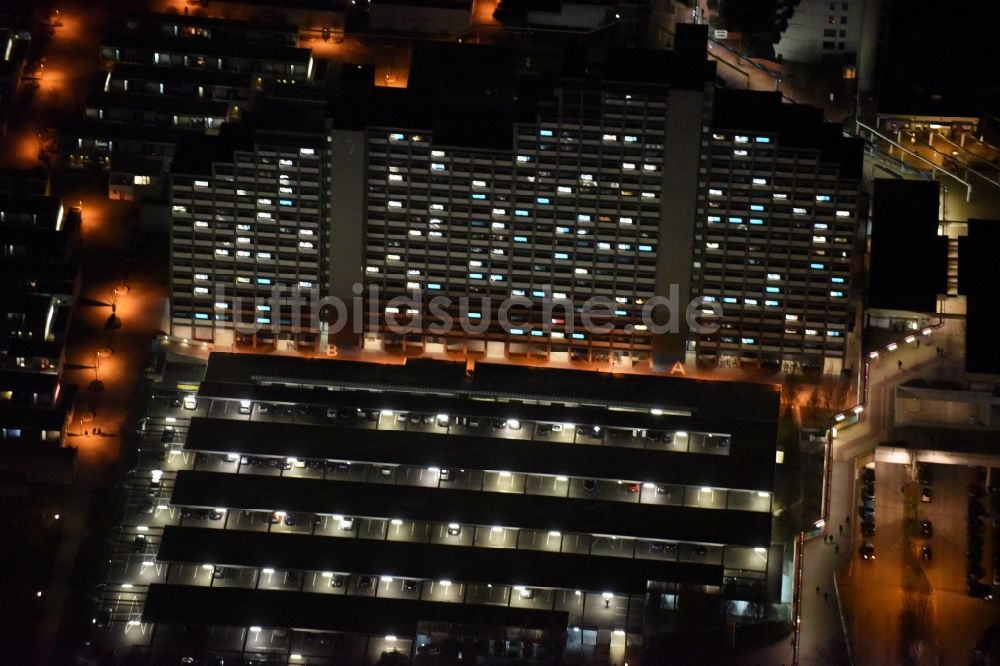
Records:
x=925, y=475
x=543, y=429
x=868, y=491
x=926, y=553
x=634, y=487
x=867, y=551
x=868, y=475
x=868, y=527
x=139, y=543
x=926, y=494
x=337, y=580
x=926, y=528
x=589, y=485
x=980, y=590
x=976, y=491
x=190, y=402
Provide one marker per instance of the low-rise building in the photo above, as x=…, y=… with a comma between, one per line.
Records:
x=344, y=510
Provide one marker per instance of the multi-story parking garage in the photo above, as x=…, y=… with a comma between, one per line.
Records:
x=320, y=511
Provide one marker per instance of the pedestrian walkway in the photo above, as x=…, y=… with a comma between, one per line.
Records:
x=821, y=631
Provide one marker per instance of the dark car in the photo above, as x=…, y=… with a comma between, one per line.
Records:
x=175, y=403
x=926, y=494
x=868, y=528
x=925, y=475
x=867, y=551
x=868, y=475
x=868, y=491
x=926, y=528
x=337, y=580
x=974, y=571
x=976, y=508
x=409, y=585
x=976, y=491
x=543, y=429
x=926, y=553
x=979, y=590
x=366, y=582
x=290, y=519
x=866, y=511
x=589, y=485
x=139, y=543
x=168, y=435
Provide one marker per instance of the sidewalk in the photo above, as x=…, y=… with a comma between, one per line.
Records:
x=822, y=639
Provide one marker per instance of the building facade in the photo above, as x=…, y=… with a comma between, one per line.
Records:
x=580, y=220
x=822, y=30
x=335, y=511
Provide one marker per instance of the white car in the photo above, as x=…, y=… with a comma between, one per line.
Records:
x=245, y=406
x=190, y=402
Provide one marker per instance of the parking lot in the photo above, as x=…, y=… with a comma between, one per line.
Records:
x=149, y=509
x=919, y=603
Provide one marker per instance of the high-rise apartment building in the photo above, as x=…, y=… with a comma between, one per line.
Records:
x=246, y=221
x=547, y=208
x=776, y=230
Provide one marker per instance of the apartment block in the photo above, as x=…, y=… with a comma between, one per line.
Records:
x=578, y=213
x=779, y=224
x=170, y=76
x=42, y=283
x=821, y=30
x=247, y=217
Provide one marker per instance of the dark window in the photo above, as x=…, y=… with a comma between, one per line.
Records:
x=840, y=45
x=828, y=46
x=843, y=6
x=830, y=32
x=843, y=33
x=843, y=20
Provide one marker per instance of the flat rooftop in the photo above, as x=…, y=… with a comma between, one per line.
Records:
x=717, y=399
x=978, y=277
x=909, y=260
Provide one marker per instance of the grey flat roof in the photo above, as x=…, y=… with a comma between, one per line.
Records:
x=649, y=521
x=958, y=440
x=302, y=610
x=510, y=566
x=978, y=277
x=909, y=260
x=749, y=465
x=757, y=402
